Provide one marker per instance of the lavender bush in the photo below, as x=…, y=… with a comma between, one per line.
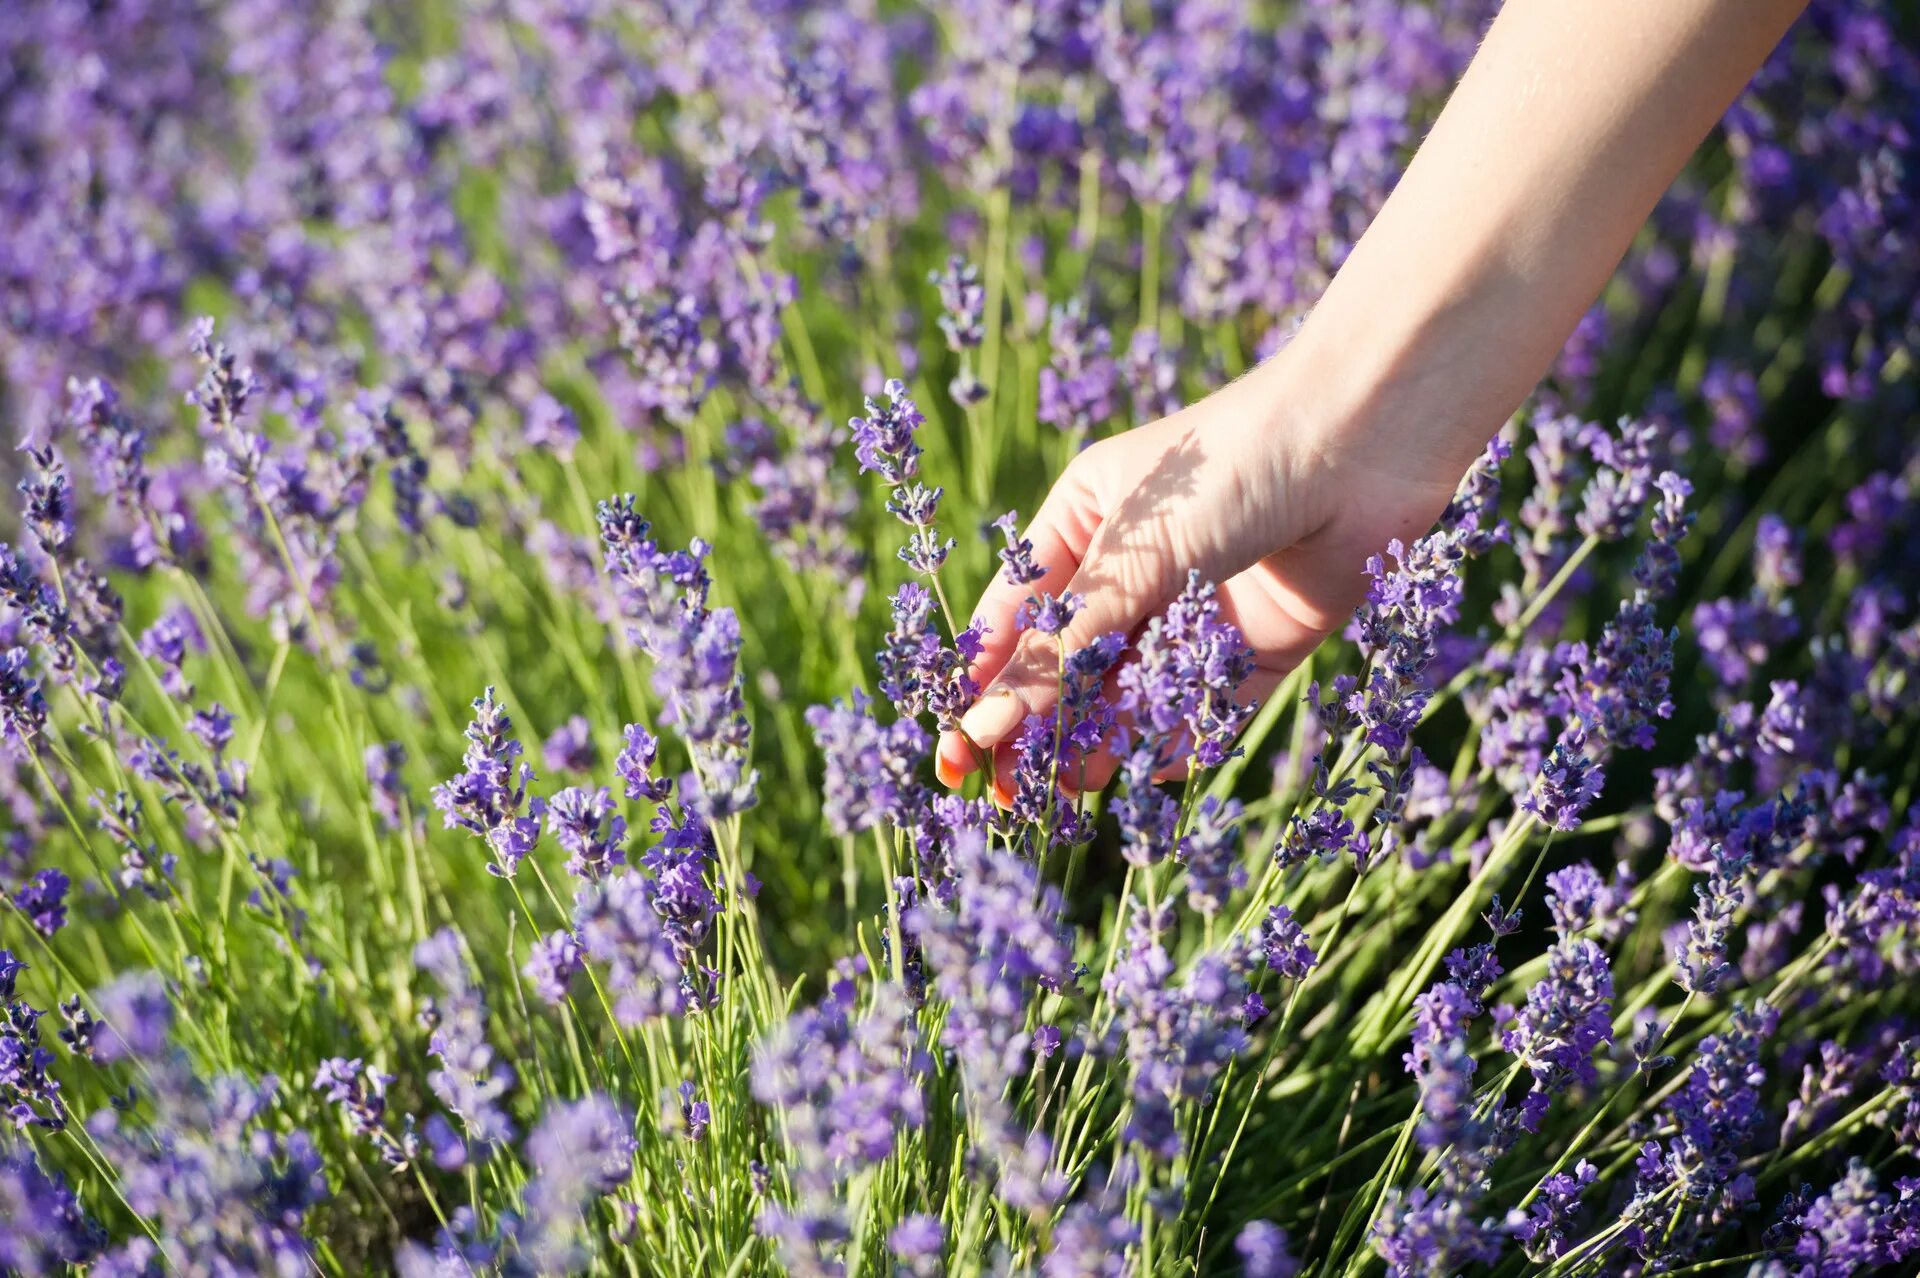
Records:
x=467, y=703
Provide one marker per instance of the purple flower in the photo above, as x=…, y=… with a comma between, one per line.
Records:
x=919, y=673
x=847, y=1084
x=634, y=764
x=489, y=796
x=1148, y=816
x=1568, y=782
x=1089, y=1242
x=918, y=1241
x=1178, y=1036
x=1902, y=1076
x=1211, y=852
x=30, y=1096
x=570, y=748
x=1713, y=1119
x=1262, y=1247
x=1324, y=833
x=137, y=1017
x=209, y=1165
x=1568, y=1014
x=1579, y=899
x=870, y=769
x=43, y=900
x=361, y=1094
x=470, y=1080
x=1703, y=964
x=998, y=949
x=23, y=711
x=43, y=1228
x=963, y=303
x=1542, y=1229
x=555, y=959
x=1738, y=636
x=1777, y=566
x=580, y=1150
x=1021, y=568
x=1183, y=690
x=588, y=829
x=1078, y=385
x=1439, y=1060
x=389, y=791
x=1851, y=1228
x=617, y=925
x=883, y=439
x=1152, y=376
x=1421, y=1234
x=1284, y=944
x=696, y=654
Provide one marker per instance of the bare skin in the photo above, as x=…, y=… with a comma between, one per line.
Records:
x=1570, y=122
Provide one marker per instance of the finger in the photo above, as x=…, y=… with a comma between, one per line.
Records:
x=1119, y=582
x=1060, y=533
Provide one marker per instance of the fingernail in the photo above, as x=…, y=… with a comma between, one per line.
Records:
x=994, y=716
x=1002, y=793
x=949, y=775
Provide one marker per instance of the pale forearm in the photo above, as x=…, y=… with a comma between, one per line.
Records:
x=1570, y=123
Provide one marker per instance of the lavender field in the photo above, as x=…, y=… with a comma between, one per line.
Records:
x=499, y=487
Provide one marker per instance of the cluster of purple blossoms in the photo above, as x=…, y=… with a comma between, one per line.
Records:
x=580, y=1151
x=1078, y=387
x=490, y=797
x=1262, y=1248
x=1567, y=1017
x=883, y=440
x=1436, y=1230
x=963, y=307
x=1853, y=1226
x=1177, y=1036
x=588, y=828
x=1019, y=566
x=997, y=949
x=919, y=673
x=617, y=923
x=695, y=651
x=870, y=769
x=470, y=1080
x=388, y=790
x=570, y=748
x=1567, y=784
x=847, y=1082
x=1284, y=945
x=1690, y=1181
x=1704, y=964
x=1090, y=1241
x=1183, y=689
x=1543, y=1227
x=1325, y=833
x=361, y=1093
x=143, y=866
x=1210, y=851
x=43, y=1227
x=223, y=1186
x=344, y=193
x=1148, y=816
x=1580, y=900
x=30, y=1096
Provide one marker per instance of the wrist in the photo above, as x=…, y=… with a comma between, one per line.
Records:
x=1369, y=440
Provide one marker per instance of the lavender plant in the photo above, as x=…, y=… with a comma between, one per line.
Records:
x=494, y=483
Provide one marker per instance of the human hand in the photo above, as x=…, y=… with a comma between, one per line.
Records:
x=1259, y=487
